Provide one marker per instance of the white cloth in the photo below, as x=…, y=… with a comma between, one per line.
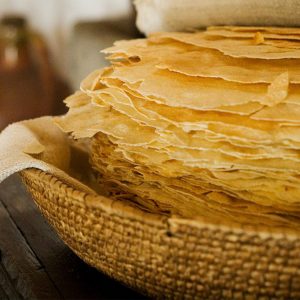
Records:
x=39, y=144
x=180, y=15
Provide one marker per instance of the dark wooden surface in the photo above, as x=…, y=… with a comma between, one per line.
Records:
x=36, y=264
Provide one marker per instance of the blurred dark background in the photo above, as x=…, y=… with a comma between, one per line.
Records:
x=48, y=47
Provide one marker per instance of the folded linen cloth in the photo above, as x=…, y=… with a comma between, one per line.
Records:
x=40, y=144
x=181, y=15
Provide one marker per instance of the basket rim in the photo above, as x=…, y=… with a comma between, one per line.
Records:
x=170, y=224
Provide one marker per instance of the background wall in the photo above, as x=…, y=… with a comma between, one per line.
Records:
x=55, y=18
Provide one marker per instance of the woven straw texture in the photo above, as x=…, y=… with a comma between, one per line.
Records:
x=166, y=257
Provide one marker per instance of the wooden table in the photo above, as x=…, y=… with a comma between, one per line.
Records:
x=36, y=264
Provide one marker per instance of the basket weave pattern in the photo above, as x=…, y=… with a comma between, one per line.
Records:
x=168, y=258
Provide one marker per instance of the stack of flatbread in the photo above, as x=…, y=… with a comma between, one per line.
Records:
x=202, y=124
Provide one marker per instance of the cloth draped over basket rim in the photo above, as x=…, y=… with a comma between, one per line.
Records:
x=40, y=144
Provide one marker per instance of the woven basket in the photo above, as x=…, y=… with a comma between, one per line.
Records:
x=167, y=257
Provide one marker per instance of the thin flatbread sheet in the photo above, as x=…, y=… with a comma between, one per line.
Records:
x=212, y=63
x=234, y=48
x=231, y=33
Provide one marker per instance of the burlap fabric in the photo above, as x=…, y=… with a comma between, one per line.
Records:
x=182, y=15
